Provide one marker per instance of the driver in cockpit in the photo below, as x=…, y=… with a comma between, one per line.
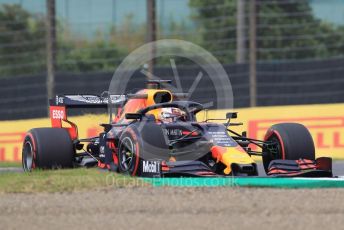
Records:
x=169, y=115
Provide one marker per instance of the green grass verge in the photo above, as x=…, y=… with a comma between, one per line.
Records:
x=8, y=164
x=67, y=180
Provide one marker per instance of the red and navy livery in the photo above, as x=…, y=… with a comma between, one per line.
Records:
x=143, y=139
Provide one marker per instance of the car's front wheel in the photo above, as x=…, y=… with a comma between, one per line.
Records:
x=128, y=152
x=291, y=141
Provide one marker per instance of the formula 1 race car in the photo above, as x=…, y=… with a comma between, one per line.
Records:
x=155, y=133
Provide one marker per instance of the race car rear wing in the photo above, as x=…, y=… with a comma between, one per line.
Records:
x=59, y=106
x=96, y=101
x=93, y=101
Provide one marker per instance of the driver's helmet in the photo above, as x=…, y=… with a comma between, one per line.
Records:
x=172, y=115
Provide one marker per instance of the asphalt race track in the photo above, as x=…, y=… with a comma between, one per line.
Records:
x=176, y=208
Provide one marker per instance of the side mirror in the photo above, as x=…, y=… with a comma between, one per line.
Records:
x=135, y=116
x=231, y=115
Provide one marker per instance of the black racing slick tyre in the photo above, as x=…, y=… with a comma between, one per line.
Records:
x=47, y=148
x=128, y=152
x=138, y=142
x=293, y=141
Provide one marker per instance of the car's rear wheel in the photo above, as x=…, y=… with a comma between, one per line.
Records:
x=292, y=141
x=47, y=148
